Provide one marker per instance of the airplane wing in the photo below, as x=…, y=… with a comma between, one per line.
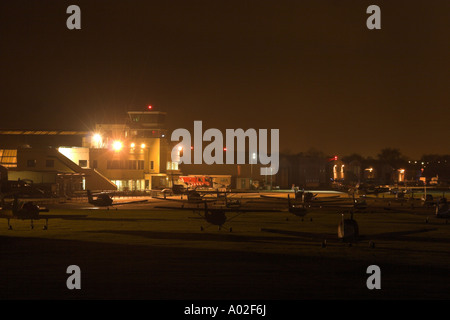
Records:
x=331, y=199
x=227, y=191
x=271, y=197
x=187, y=201
x=128, y=202
x=241, y=210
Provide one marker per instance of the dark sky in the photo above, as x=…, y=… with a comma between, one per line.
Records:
x=309, y=68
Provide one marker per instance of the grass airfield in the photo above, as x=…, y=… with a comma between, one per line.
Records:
x=141, y=252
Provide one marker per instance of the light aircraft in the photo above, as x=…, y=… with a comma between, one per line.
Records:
x=370, y=189
x=193, y=197
x=303, y=200
x=357, y=204
x=306, y=197
x=23, y=211
x=105, y=200
x=297, y=209
x=217, y=215
x=427, y=201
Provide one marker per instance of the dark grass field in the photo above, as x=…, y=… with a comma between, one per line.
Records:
x=156, y=254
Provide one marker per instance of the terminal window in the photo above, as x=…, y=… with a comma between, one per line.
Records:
x=82, y=163
x=8, y=158
x=125, y=164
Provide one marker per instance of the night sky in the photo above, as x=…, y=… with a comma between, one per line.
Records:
x=309, y=68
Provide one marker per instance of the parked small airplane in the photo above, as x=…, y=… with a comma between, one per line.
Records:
x=217, y=215
x=297, y=209
x=193, y=197
x=105, y=200
x=357, y=204
x=306, y=197
x=23, y=211
x=305, y=200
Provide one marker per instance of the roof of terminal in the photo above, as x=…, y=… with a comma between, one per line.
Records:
x=40, y=132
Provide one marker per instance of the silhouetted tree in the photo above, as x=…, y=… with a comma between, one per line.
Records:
x=392, y=156
x=354, y=157
x=314, y=153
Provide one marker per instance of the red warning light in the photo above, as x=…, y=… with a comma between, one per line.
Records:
x=224, y=149
x=150, y=107
x=333, y=158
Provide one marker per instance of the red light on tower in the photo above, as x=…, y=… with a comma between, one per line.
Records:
x=333, y=158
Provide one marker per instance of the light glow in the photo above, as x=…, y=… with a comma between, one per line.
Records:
x=97, y=138
x=117, y=145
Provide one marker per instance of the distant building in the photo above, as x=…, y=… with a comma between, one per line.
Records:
x=134, y=155
x=307, y=171
x=129, y=156
x=53, y=172
x=432, y=170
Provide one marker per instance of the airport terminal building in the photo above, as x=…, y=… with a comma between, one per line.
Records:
x=129, y=156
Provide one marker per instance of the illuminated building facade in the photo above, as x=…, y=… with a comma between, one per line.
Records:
x=133, y=155
x=129, y=156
